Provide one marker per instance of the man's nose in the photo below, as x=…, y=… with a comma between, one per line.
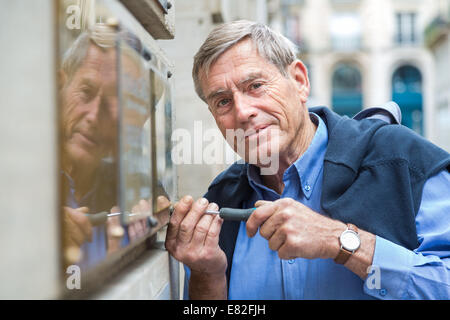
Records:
x=243, y=106
x=94, y=110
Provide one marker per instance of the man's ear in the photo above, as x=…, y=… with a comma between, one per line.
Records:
x=299, y=73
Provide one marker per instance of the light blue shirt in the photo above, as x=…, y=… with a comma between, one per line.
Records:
x=258, y=273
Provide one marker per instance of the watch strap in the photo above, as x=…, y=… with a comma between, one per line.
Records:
x=352, y=227
x=343, y=256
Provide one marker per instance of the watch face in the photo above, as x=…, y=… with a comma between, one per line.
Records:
x=350, y=240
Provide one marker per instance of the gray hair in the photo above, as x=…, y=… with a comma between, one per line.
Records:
x=102, y=36
x=271, y=45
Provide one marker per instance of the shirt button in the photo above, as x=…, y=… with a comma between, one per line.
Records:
x=307, y=187
x=291, y=261
x=383, y=292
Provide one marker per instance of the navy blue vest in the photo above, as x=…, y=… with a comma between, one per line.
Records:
x=373, y=177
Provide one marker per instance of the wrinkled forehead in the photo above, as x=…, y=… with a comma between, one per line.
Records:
x=240, y=61
x=104, y=63
x=242, y=50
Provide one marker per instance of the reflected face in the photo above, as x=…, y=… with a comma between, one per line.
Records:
x=245, y=91
x=90, y=108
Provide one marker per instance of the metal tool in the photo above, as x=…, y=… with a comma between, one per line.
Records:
x=226, y=213
x=97, y=219
x=233, y=214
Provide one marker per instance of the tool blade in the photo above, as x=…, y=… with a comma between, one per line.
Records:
x=212, y=212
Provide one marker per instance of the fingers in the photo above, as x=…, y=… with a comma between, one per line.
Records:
x=260, y=203
x=277, y=240
x=264, y=210
x=138, y=223
x=115, y=209
x=162, y=202
x=78, y=230
x=193, y=237
x=212, y=238
x=114, y=232
x=145, y=208
x=202, y=228
x=73, y=234
x=180, y=210
x=82, y=222
x=133, y=224
x=271, y=225
x=187, y=226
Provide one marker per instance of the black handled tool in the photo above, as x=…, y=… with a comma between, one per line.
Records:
x=233, y=214
x=228, y=213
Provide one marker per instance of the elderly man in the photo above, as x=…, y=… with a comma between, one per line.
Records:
x=355, y=210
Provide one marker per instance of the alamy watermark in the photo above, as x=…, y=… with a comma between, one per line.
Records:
x=73, y=21
x=74, y=279
x=258, y=147
x=373, y=280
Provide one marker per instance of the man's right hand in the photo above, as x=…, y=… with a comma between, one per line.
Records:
x=78, y=230
x=193, y=239
x=193, y=236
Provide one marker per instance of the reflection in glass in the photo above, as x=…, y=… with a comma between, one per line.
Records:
x=89, y=116
x=115, y=126
x=163, y=145
x=135, y=151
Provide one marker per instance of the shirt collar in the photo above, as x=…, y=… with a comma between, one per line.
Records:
x=308, y=166
x=70, y=198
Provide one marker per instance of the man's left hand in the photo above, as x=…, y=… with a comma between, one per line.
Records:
x=295, y=230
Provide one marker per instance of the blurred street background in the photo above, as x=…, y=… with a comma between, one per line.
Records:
x=359, y=53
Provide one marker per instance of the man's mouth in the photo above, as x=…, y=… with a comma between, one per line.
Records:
x=88, y=139
x=254, y=132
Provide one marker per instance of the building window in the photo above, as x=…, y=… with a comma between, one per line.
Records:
x=347, y=89
x=407, y=93
x=292, y=29
x=406, y=28
x=292, y=23
x=345, y=29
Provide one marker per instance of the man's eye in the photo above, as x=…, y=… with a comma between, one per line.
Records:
x=255, y=86
x=87, y=92
x=223, y=102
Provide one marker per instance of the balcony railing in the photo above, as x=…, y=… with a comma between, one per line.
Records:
x=345, y=2
x=292, y=2
x=346, y=44
x=439, y=27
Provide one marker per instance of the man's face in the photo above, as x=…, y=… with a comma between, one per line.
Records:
x=245, y=91
x=90, y=109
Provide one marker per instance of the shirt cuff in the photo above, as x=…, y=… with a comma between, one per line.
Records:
x=388, y=276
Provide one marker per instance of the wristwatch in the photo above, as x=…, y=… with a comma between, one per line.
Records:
x=350, y=242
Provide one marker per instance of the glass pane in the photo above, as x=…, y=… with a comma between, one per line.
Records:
x=135, y=145
x=165, y=176
x=115, y=127
x=88, y=130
